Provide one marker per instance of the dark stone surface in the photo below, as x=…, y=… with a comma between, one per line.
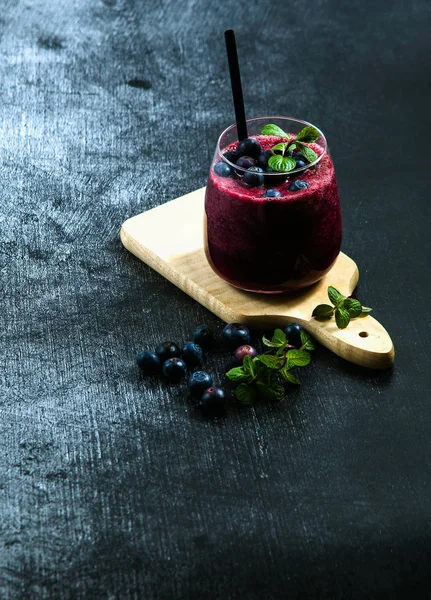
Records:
x=110, y=487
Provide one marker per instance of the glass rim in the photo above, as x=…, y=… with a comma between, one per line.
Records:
x=276, y=173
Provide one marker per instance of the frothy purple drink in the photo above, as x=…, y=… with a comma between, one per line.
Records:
x=282, y=232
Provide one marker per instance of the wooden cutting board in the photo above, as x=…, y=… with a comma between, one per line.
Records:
x=169, y=239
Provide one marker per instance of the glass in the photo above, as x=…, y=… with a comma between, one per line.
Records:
x=272, y=244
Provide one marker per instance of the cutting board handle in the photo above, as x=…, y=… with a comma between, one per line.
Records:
x=364, y=341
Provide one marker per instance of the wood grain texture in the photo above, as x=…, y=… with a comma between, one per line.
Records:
x=111, y=486
x=179, y=256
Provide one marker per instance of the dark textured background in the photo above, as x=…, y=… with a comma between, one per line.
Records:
x=111, y=487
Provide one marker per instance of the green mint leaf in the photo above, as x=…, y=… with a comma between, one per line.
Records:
x=268, y=343
x=307, y=341
x=248, y=365
x=271, y=129
x=279, y=337
x=272, y=392
x=281, y=164
x=245, y=394
x=353, y=307
x=287, y=376
x=334, y=296
x=366, y=310
x=298, y=358
x=280, y=147
x=237, y=374
x=308, y=134
x=309, y=154
x=342, y=318
x=272, y=362
x=281, y=350
x=323, y=311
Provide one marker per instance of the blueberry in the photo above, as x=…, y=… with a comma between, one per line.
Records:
x=231, y=156
x=253, y=177
x=300, y=156
x=249, y=147
x=174, y=369
x=223, y=169
x=167, y=350
x=203, y=336
x=148, y=362
x=213, y=401
x=192, y=354
x=245, y=162
x=300, y=164
x=245, y=350
x=263, y=158
x=272, y=194
x=298, y=184
x=198, y=382
x=293, y=334
x=236, y=334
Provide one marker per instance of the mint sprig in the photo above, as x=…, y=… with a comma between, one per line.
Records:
x=264, y=376
x=343, y=309
x=281, y=161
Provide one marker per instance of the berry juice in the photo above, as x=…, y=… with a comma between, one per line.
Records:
x=282, y=232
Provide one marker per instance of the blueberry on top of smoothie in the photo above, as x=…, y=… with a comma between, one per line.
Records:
x=223, y=169
x=249, y=147
x=245, y=162
x=254, y=176
x=298, y=184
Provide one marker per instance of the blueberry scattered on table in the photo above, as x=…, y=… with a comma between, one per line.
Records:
x=203, y=336
x=148, y=362
x=167, y=350
x=174, y=369
x=249, y=147
x=298, y=184
x=213, y=401
x=244, y=350
x=192, y=354
x=254, y=177
x=223, y=169
x=236, y=334
x=293, y=334
x=198, y=382
x=272, y=193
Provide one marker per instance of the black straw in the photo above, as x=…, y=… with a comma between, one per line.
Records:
x=235, y=80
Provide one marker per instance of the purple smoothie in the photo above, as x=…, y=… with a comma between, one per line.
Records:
x=276, y=244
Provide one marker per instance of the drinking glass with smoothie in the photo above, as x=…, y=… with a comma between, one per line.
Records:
x=272, y=210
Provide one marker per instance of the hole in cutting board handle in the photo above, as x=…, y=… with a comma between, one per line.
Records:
x=364, y=334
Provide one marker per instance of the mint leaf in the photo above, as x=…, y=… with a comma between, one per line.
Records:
x=353, y=307
x=273, y=392
x=307, y=341
x=272, y=362
x=281, y=350
x=322, y=312
x=342, y=318
x=309, y=153
x=298, y=358
x=308, y=134
x=248, y=365
x=268, y=343
x=287, y=376
x=280, y=147
x=334, y=296
x=279, y=337
x=281, y=164
x=245, y=394
x=366, y=310
x=237, y=374
x=272, y=129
